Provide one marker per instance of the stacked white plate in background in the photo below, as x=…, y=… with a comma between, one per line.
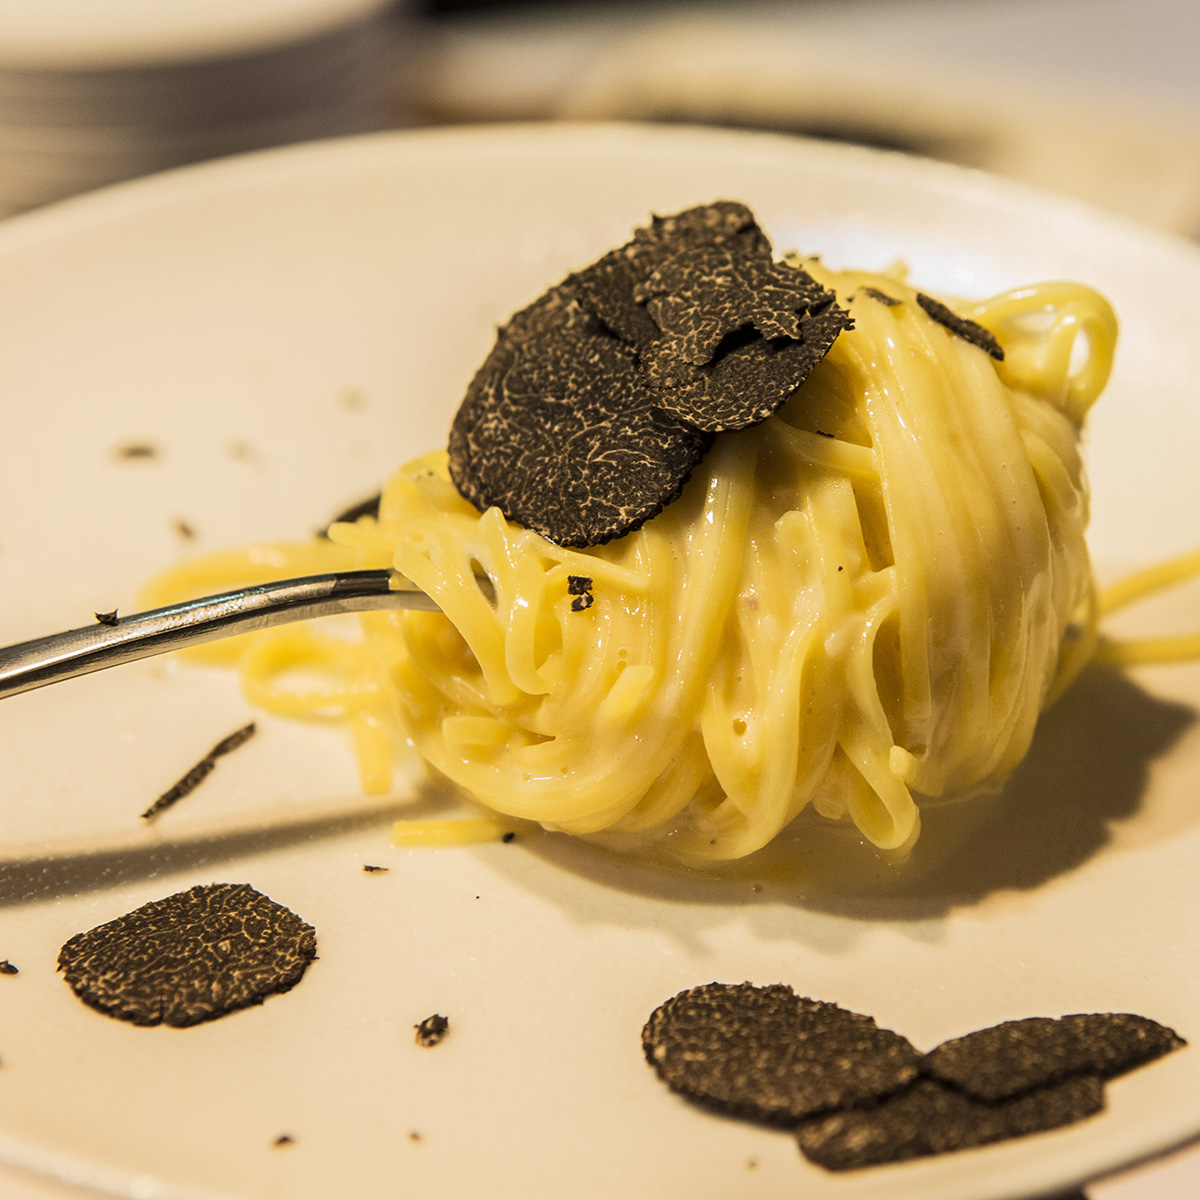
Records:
x=96, y=91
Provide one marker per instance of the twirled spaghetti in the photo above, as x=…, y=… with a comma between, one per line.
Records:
x=865, y=600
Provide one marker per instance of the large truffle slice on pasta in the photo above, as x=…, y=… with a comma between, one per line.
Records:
x=560, y=433
x=998, y=1062
x=930, y=1118
x=770, y=1055
x=599, y=399
x=190, y=957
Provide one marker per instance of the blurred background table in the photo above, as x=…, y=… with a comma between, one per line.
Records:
x=1095, y=98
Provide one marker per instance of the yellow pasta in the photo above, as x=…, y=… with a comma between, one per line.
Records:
x=862, y=602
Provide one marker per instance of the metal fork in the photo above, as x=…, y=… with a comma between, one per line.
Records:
x=115, y=639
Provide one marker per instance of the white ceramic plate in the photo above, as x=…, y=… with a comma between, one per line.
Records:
x=285, y=329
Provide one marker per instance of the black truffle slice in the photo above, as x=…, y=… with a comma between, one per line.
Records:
x=738, y=337
x=561, y=435
x=722, y=223
x=969, y=331
x=930, y=1118
x=606, y=290
x=599, y=399
x=768, y=1054
x=748, y=379
x=190, y=957
x=702, y=294
x=995, y=1063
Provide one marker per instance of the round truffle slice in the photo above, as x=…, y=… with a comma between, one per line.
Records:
x=770, y=1055
x=190, y=957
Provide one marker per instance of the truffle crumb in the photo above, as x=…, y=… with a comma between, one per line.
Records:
x=414, y=1136
x=200, y=771
x=184, y=529
x=509, y=837
x=432, y=1030
x=882, y=297
x=372, y=869
x=8, y=968
x=137, y=450
x=580, y=587
x=108, y=618
x=190, y=957
x=284, y=1139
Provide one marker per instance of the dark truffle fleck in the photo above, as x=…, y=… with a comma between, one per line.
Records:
x=284, y=1139
x=432, y=1030
x=930, y=1118
x=108, y=618
x=200, y=771
x=185, y=530
x=995, y=1063
x=882, y=297
x=969, y=331
x=190, y=957
x=7, y=968
x=768, y=1054
x=509, y=837
x=599, y=399
x=371, y=870
x=137, y=450
x=580, y=587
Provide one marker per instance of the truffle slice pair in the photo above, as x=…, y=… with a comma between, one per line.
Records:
x=857, y=1095
x=598, y=400
x=1012, y=1079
